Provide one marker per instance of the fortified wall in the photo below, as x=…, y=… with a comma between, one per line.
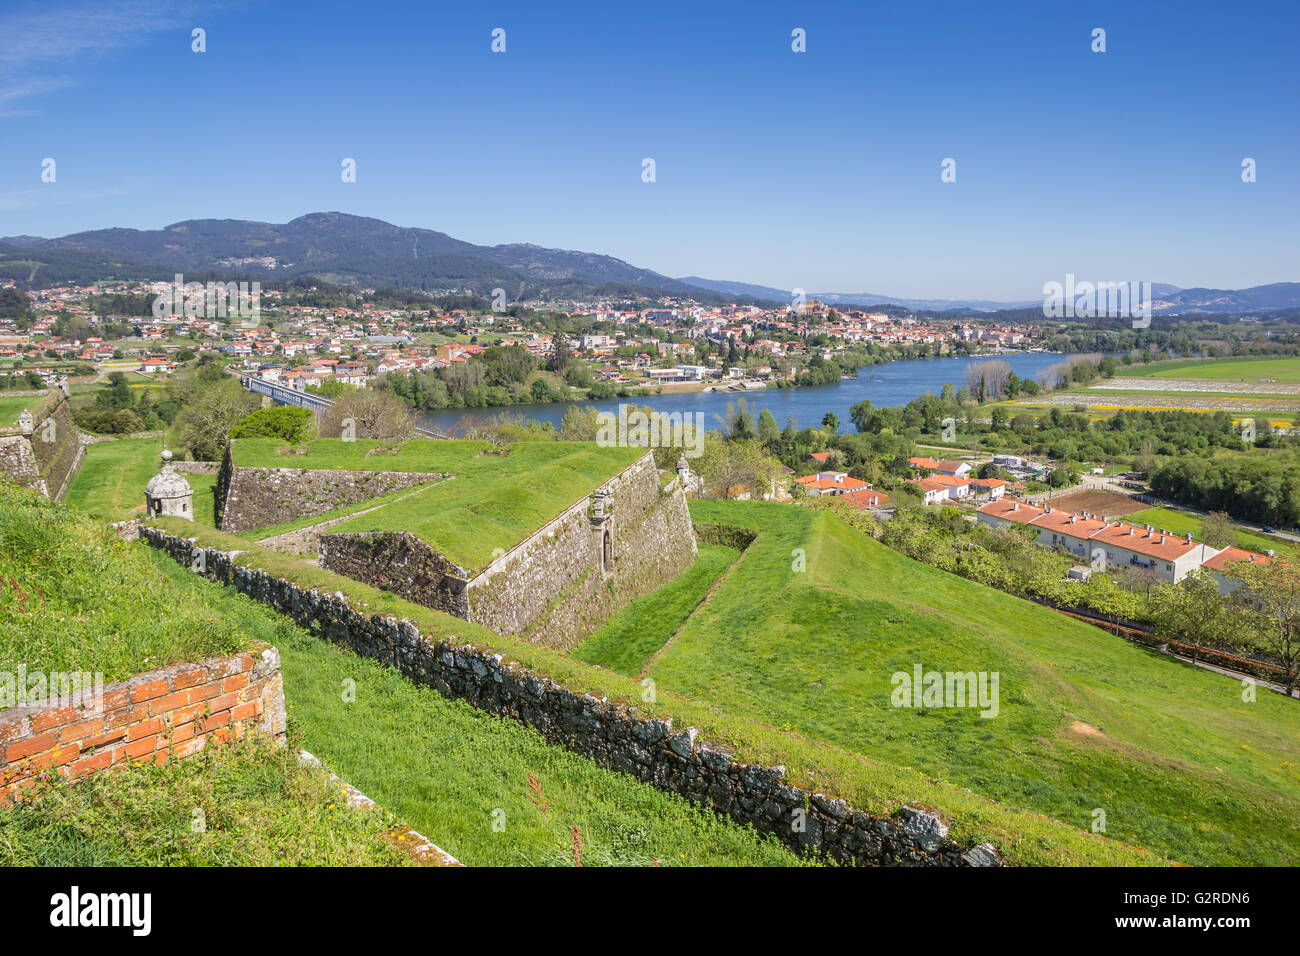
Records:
x=617, y=737
x=627, y=538
x=44, y=452
x=249, y=498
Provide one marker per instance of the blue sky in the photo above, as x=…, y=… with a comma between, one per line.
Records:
x=819, y=170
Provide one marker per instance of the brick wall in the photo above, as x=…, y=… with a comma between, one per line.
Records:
x=158, y=715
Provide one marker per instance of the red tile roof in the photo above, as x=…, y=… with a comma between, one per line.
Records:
x=867, y=498
x=1010, y=509
x=1232, y=554
x=1156, y=544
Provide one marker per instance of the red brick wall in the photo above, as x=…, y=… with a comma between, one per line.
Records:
x=159, y=715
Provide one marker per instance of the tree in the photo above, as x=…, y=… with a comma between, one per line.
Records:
x=1268, y=606
x=369, y=413
x=1136, y=578
x=831, y=421
x=1192, y=611
x=1217, y=530
x=987, y=379
x=210, y=411
x=580, y=423
x=738, y=425
x=1062, y=477
x=118, y=393
x=289, y=423
x=734, y=468
x=561, y=356
x=1145, y=460
x=768, y=430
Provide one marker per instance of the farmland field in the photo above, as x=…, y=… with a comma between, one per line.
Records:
x=1222, y=370
x=1280, y=409
x=1107, y=504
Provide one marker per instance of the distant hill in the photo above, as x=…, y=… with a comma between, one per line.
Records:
x=358, y=250
x=864, y=299
x=869, y=299
x=338, y=247
x=1275, y=295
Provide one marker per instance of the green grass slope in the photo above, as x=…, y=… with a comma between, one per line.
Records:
x=111, y=481
x=443, y=767
x=876, y=786
x=627, y=640
x=1171, y=753
x=261, y=807
x=75, y=597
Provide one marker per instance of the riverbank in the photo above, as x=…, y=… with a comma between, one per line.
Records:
x=890, y=384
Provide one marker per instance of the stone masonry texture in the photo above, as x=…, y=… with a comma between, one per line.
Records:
x=556, y=586
x=250, y=498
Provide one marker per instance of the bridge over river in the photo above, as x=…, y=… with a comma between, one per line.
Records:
x=317, y=403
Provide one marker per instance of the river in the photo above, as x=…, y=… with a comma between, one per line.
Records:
x=889, y=385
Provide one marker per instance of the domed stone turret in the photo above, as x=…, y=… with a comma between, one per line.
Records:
x=168, y=493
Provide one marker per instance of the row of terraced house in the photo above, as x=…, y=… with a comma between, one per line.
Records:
x=1171, y=557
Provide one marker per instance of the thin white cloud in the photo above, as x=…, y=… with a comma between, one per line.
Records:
x=48, y=47
x=51, y=196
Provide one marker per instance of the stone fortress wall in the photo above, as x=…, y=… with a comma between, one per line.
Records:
x=625, y=539
x=248, y=498
x=48, y=457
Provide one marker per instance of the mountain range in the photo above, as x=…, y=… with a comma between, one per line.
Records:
x=369, y=252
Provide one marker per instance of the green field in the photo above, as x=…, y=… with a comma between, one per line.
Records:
x=111, y=482
x=260, y=808
x=1178, y=762
x=446, y=768
x=876, y=786
x=11, y=406
x=1181, y=522
x=625, y=642
x=421, y=454
x=1222, y=370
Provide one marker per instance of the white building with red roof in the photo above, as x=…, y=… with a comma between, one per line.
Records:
x=1112, y=544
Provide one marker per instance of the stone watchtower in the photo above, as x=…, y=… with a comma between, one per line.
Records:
x=602, y=523
x=168, y=493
